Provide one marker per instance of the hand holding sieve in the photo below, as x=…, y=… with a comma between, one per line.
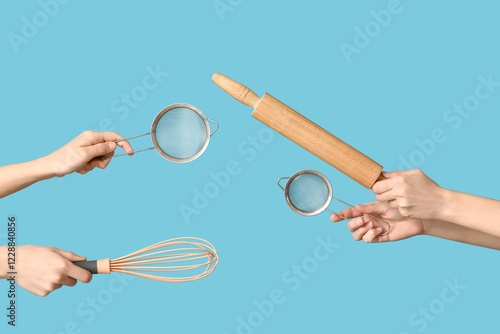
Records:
x=180, y=133
x=309, y=193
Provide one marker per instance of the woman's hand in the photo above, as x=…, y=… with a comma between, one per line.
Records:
x=369, y=229
x=82, y=153
x=413, y=193
x=41, y=270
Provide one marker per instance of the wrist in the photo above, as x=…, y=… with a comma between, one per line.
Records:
x=44, y=168
x=433, y=227
x=427, y=227
x=447, y=204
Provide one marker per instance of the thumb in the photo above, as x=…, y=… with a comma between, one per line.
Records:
x=70, y=256
x=100, y=149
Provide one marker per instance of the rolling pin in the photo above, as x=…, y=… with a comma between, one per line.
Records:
x=305, y=133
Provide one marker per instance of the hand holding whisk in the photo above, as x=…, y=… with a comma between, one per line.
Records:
x=173, y=257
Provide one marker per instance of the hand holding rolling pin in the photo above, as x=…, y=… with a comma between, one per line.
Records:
x=305, y=133
x=409, y=201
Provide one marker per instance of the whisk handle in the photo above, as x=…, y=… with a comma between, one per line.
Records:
x=95, y=267
x=87, y=265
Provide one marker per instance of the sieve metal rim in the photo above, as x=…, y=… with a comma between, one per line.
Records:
x=302, y=212
x=157, y=120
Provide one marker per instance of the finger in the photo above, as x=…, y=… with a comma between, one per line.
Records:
x=389, y=175
x=93, y=137
x=87, y=168
x=387, y=196
x=382, y=186
x=113, y=136
x=83, y=172
x=84, y=169
x=74, y=271
x=374, y=208
x=110, y=137
x=360, y=232
x=372, y=235
x=70, y=256
x=336, y=218
x=99, y=149
x=100, y=163
x=393, y=204
x=68, y=281
x=347, y=213
x=400, y=172
x=126, y=147
x=78, y=273
x=354, y=224
x=378, y=222
x=86, y=137
x=40, y=292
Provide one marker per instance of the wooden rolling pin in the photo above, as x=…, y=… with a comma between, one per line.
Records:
x=305, y=133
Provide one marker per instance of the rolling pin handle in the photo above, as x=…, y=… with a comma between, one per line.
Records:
x=238, y=91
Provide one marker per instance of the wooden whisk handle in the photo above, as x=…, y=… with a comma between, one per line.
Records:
x=238, y=91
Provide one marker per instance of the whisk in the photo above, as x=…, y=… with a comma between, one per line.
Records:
x=174, y=257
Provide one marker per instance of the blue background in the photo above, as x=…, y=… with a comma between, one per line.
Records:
x=395, y=91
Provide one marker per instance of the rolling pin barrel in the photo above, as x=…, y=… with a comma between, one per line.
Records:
x=305, y=133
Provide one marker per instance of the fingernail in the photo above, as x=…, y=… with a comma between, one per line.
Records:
x=379, y=229
x=111, y=145
x=358, y=221
x=369, y=225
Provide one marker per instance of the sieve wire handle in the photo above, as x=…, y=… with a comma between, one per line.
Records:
x=216, y=123
x=282, y=178
x=145, y=134
x=119, y=140
x=341, y=201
